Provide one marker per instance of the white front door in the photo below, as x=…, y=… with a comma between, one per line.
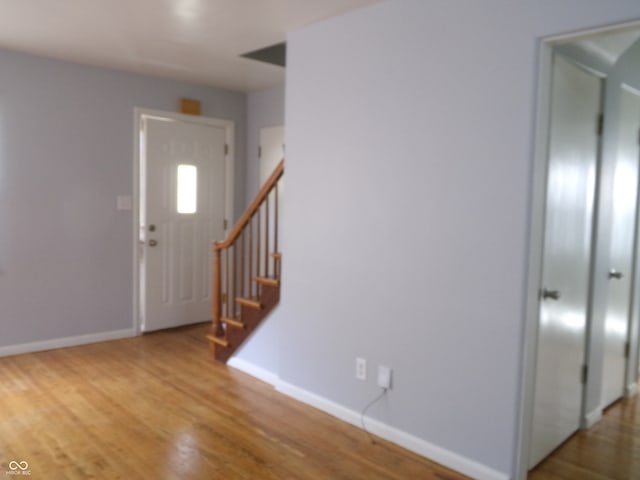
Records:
x=182, y=210
x=573, y=153
x=623, y=225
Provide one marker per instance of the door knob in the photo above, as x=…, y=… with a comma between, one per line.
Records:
x=152, y=242
x=550, y=294
x=613, y=273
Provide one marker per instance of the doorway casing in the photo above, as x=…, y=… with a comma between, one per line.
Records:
x=139, y=114
x=536, y=236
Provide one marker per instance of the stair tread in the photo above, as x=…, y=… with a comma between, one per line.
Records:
x=271, y=281
x=234, y=322
x=248, y=302
x=219, y=340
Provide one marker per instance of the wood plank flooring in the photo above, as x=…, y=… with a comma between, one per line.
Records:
x=158, y=407
x=610, y=450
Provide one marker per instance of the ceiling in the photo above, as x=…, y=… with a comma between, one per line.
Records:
x=196, y=41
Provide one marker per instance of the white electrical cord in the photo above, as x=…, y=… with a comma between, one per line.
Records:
x=364, y=411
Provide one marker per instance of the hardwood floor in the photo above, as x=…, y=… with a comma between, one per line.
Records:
x=158, y=407
x=610, y=450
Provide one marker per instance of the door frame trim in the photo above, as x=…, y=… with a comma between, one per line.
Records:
x=537, y=204
x=229, y=128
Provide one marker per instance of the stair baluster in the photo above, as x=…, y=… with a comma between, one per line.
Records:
x=266, y=236
x=237, y=279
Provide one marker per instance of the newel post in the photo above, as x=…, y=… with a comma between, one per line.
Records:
x=216, y=326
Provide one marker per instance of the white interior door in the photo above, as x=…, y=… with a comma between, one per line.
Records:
x=271, y=150
x=624, y=207
x=182, y=194
x=573, y=152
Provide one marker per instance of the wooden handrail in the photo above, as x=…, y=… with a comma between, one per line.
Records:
x=234, y=284
x=253, y=208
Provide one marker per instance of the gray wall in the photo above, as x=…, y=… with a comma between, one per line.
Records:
x=265, y=108
x=66, y=152
x=409, y=157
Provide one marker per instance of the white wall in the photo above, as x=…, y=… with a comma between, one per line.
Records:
x=265, y=108
x=409, y=147
x=66, y=152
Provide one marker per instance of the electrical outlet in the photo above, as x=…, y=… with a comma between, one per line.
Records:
x=361, y=368
x=384, y=376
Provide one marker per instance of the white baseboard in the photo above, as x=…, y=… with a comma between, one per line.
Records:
x=254, y=370
x=421, y=447
x=631, y=390
x=591, y=418
x=66, y=342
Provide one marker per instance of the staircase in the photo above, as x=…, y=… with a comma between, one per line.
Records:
x=246, y=272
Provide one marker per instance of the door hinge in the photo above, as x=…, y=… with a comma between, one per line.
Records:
x=259, y=152
x=584, y=374
x=627, y=349
x=600, y=125
x=225, y=224
x=226, y=149
x=639, y=136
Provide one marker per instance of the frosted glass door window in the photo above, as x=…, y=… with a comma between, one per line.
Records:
x=187, y=189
